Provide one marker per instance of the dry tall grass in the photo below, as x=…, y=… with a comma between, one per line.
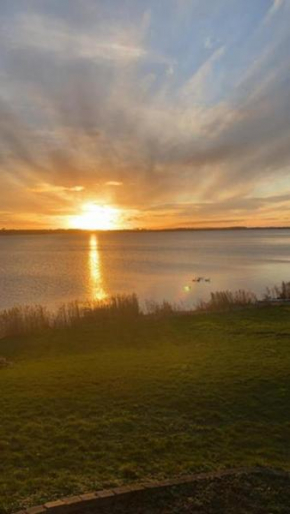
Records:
x=23, y=320
x=281, y=292
x=160, y=309
x=227, y=300
x=34, y=319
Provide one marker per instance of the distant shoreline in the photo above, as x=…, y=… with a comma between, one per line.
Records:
x=21, y=232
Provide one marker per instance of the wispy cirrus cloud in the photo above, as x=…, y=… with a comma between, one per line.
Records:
x=87, y=107
x=273, y=9
x=50, y=188
x=35, y=32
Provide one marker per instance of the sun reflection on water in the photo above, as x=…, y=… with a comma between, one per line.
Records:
x=96, y=278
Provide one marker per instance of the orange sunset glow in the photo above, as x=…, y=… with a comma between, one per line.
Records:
x=104, y=124
x=96, y=217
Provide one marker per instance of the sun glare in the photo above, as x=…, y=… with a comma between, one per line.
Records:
x=96, y=217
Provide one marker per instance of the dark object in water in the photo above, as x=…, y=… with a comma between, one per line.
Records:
x=201, y=279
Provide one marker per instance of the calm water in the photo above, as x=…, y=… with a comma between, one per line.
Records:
x=51, y=269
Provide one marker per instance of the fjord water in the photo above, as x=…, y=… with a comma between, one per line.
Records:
x=54, y=268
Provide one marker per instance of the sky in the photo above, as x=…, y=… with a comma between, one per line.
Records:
x=175, y=113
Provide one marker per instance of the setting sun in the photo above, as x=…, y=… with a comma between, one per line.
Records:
x=96, y=217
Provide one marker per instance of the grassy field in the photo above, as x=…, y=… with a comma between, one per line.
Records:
x=126, y=399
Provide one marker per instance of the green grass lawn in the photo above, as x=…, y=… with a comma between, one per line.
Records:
x=101, y=405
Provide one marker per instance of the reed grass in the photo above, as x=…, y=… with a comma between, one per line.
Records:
x=164, y=308
x=227, y=300
x=22, y=320
x=281, y=292
x=26, y=320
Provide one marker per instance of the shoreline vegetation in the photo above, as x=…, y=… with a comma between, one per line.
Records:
x=33, y=319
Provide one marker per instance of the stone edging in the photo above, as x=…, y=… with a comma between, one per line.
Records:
x=106, y=497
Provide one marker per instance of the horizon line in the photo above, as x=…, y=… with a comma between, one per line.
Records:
x=7, y=231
